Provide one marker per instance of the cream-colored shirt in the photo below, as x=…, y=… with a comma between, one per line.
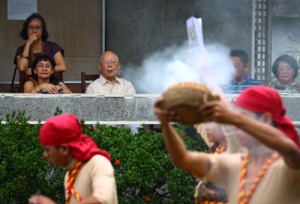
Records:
x=279, y=185
x=96, y=178
x=103, y=86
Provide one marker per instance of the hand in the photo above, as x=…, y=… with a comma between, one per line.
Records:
x=218, y=111
x=51, y=89
x=164, y=116
x=28, y=71
x=40, y=199
x=32, y=38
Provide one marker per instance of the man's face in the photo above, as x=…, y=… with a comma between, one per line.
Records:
x=109, y=66
x=213, y=132
x=55, y=155
x=245, y=139
x=240, y=69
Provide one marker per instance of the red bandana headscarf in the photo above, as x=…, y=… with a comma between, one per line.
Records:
x=66, y=129
x=262, y=99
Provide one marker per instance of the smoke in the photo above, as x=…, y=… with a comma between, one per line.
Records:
x=164, y=68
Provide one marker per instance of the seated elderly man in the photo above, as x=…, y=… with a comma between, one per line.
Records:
x=108, y=82
x=268, y=173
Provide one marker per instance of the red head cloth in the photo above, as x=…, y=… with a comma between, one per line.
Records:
x=66, y=129
x=262, y=99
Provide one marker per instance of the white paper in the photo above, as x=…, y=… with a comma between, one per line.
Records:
x=199, y=58
x=20, y=9
x=195, y=36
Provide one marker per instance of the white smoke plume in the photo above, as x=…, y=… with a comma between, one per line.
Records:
x=164, y=68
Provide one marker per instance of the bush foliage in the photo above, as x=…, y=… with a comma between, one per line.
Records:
x=143, y=169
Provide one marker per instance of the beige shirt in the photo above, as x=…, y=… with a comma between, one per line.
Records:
x=96, y=178
x=279, y=185
x=103, y=86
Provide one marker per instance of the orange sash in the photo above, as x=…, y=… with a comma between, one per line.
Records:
x=70, y=181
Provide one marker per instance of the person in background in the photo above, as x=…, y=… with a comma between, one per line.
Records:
x=241, y=80
x=108, y=82
x=90, y=176
x=216, y=136
x=43, y=80
x=268, y=173
x=35, y=33
x=205, y=191
x=285, y=69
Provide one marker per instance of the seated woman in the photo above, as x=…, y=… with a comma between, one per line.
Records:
x=285, y=69
x=34, y=32
x=43, y=80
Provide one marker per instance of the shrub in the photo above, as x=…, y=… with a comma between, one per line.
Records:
x=143, y=169
x=23, y=172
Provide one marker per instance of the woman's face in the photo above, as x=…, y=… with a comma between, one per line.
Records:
x=35, y=28
x=44, y=69
x=285, y=73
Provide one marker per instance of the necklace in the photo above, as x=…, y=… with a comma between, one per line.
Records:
x=243, y=197
x=220, y=149
x=70, y=181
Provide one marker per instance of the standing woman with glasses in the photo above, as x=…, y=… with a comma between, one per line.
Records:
x=35, y=33
x=43, y=80
x=285, y=69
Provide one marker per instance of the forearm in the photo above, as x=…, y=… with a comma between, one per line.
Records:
x=37, y=89
x=174, y=145
x=60, y=68
x=23, y=60
x=194, y=162
x=60, y=62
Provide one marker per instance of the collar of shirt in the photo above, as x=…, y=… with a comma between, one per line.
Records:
x=105, y=81
x=247, y=81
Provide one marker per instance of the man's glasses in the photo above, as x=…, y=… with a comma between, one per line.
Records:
x=34, y=27
x=110, y=62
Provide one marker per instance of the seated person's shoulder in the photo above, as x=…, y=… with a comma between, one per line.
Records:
x=254, y=81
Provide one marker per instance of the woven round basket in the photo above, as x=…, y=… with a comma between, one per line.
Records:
x=185, y=98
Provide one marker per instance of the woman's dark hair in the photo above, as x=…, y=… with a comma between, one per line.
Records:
x=23, y=33
x=288, y=59
x=47, y=59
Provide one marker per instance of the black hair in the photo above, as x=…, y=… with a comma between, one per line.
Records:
x=44, y=58
x=288, y=59
x=242, y=54
x=23, y=33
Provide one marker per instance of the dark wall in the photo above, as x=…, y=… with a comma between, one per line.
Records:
x=137, y=28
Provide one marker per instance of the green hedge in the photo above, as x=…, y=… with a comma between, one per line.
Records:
x=143, y=169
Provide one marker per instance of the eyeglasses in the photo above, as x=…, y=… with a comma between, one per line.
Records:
x=285, y=68
x=110, y=62
x=34, y=27
x=41, y=66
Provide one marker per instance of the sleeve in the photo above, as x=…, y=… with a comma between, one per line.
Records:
x=103, y=180
x=130, y=88
x=18, y=53
x=51, y=48
x=224, y=167
x=293, y=176
x=89, y=89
